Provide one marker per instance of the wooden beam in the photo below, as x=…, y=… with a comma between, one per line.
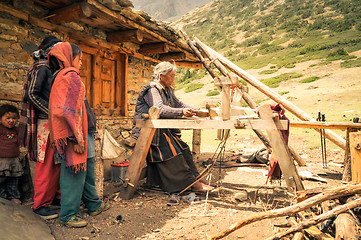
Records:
x=138, y=159
x=281, y=151
x=154, y=48
x=71, y=13
x=325, y=125
x=195, y=65
x=355, y=150
x=133, y=35
x=211, y=124
x=175, y=56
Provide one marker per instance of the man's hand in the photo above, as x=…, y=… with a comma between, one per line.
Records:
x=79, y=148
x=188, y=112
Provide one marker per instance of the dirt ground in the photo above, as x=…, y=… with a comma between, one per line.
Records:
x=147, y=216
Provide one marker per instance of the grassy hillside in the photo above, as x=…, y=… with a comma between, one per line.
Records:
x=308, y=51
x=257, y=33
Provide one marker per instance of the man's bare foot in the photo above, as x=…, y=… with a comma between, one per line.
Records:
x=201, y=187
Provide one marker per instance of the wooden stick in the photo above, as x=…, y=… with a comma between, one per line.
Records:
x=325, y=195
x=320, y=218
x=199, y=55
x=272, y=94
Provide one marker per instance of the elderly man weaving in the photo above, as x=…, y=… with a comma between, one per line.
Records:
x=170, y=162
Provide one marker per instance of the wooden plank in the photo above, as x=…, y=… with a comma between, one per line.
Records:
x=283, y=155
x=74, y=12
x=226, y=102
x=317, y=234
x=138, y=159
x=355, y=150
x=325, y=125
x=211, y=124
x=133, y=35
x=154, y=48
x=346, y=227
x=137, y=162
x=175, y=56
x=195, y=65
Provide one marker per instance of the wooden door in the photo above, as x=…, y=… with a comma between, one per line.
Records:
x=86, y=75
x=107, y=78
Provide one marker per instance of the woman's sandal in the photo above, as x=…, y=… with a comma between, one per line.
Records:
x=173, y=200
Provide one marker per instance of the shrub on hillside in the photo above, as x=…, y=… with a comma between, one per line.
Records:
x=269, y=71
x=275, y=81
x=213, y=93
x=351, y=63
x=309, y=79
x=193, y=86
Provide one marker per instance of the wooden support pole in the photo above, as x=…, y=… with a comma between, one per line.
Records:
x=355, y=150
x=138, y=158
x=283, y=156
x=99, y=162
x=339, y=141
x=346, y=175
x=196, y=144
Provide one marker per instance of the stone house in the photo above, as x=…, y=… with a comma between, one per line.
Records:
x=120, y=48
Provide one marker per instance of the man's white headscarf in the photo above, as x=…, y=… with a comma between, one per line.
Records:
x=162, y=69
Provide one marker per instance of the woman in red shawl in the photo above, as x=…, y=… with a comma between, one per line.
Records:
x=69, y=134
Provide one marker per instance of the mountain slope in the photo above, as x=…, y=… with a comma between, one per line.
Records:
x=255, y=33
x=307, y=51
x=167, y=9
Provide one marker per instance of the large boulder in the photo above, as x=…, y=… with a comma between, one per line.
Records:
x=18, y=222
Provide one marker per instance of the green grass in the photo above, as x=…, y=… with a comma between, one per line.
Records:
x=284, y=93
x=213, y=93
x=309, y=79
x=269, y=71
x=351, y=63
x=193, y=86
x=275, y=81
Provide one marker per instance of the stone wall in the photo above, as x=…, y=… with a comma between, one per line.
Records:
x=18, y=39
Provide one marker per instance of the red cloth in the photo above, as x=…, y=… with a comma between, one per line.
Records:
x=46, y=180
x=275, y=171
x=67, y=112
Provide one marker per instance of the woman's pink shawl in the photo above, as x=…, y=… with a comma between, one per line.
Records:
x=67, y=112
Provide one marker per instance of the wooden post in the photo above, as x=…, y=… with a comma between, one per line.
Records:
x=346, y=227
x=355, y=150
x=346, y=176
x=138, y=159
x=196, y=144
x=283, y=156
x=99, y=163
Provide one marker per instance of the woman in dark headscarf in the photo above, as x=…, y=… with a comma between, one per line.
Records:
x=34, y=131
x=69, y=133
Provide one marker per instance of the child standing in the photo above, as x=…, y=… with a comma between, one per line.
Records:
x=10, y=166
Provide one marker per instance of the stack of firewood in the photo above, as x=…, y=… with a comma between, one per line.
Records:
x=332, y=213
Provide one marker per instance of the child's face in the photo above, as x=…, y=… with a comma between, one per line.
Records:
x=9, y=120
